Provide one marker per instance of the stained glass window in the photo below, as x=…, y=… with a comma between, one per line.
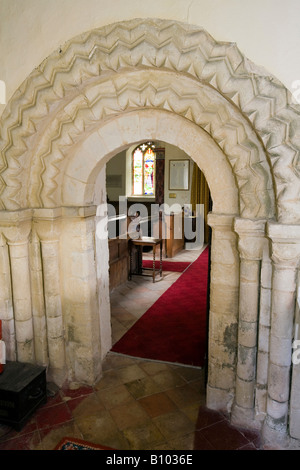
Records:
x=143, y=166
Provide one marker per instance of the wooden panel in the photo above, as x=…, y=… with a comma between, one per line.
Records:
x=174, y=234
x=118, y=262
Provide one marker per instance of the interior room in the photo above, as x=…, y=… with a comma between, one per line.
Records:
x=149, y=225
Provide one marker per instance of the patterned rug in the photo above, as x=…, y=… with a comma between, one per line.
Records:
x=71, y=443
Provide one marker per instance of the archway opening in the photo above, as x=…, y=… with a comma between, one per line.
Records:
x=210, y=105
x=184, y=240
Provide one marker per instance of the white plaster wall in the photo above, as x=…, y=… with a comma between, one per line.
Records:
x=266, y=31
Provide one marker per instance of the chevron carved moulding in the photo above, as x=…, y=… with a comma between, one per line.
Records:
x=152, y=64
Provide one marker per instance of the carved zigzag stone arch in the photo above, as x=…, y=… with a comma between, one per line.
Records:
x=49, y=99
x=155, y=91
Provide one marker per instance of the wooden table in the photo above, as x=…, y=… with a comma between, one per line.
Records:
x=140, y=243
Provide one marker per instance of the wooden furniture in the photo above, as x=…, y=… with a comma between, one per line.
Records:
x=168, y=229
x=173, y=233
x=22, y=389
x=136, y=265
x=118, y=262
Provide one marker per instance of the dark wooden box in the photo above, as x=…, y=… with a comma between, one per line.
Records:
x=23, y=388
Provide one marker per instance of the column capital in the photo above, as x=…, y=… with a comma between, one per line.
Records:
x=15, y=226
x=47, y=223
x=285, y=243
x=220, y=221
x=252, y=235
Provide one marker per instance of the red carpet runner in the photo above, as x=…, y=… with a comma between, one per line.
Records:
x=174, y=328
x=174, y=266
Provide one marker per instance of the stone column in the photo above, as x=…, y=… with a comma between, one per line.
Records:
x=80, y=295
x=16, y=228
x=38, y=302
x=285, y=257
x=263, y=335
x=47, y=224
x=294, y=421
x=6, y=307
x=20, y=273
x=223, y=314
x=251, y=240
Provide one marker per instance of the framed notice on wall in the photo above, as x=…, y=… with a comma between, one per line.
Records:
x=179, y=175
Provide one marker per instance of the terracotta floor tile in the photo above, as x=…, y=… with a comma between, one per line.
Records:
x=249, y=446
x=27, y=441
x=49, y=416
x=208, y=417
x=252, y=436
x=201, y=443
x=55, y=400
x=157, y=404
x=222, y=436
x=7, y=432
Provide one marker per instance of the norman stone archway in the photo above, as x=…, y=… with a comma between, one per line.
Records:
x=104, y=91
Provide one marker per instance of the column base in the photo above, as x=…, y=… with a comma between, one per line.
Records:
x=275, y=439
x=218, y=399
x=245, y=418
x=57, y=376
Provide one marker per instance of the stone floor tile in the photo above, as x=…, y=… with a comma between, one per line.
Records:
x=142, y=387
x=153, y=367
x=129, y=415
x=51, y=436
x=174, y=424
x=185, y=394
x=157, y=404
x=143, y=437
x=168, y=379
x=115, y=396
x=130, y=373
x=100, y=428
x=109, y=379
x=82, y=407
